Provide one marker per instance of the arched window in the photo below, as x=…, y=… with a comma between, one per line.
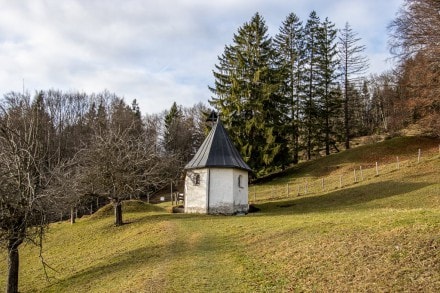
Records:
x=197, y=180
x=240, y=181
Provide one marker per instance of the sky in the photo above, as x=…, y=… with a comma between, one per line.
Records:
x=155, y=51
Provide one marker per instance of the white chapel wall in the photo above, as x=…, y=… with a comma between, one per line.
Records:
x=241, y=190
x=221, y=191
x=226, y=197
x=196, y=194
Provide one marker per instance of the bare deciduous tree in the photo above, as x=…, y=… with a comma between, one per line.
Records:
x=66, y=191
x=415, y=41
x=353, y=64
x=25, y=162
x=416, y=29
x=120, y=166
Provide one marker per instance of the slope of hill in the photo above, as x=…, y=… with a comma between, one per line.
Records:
x=381, y=233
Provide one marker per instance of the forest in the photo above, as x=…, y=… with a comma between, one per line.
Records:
x=304, y=92
x=286, y=98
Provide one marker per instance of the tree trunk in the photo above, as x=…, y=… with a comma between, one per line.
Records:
x=117, y=204
x=72, y=215
x=346, y=114
x=327, y=135
x=309, y=144
x=296, y=146
x=13, y=265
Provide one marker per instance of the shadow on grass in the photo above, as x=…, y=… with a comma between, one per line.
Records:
x=162, y=256
x=125, y=261
x=342, y=199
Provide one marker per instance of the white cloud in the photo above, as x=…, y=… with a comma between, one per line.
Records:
x=155, y=51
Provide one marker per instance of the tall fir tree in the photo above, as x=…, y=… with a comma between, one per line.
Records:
x=138, y=126
x=310, y=92
x=247, y=95
x=327, y=75
x=289, y=45
x=172, y=120
x=364, y=110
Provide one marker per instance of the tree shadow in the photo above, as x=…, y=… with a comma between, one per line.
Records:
x=153, y=255
x=341, y=199
x=117, y=264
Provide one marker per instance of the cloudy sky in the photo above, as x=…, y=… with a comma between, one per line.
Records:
x=155, y=51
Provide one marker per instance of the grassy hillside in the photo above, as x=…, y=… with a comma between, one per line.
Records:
x=381, y=233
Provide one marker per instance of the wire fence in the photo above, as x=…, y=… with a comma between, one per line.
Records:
x=348, y=176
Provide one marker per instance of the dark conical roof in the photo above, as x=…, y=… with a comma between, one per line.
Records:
x=217, y=151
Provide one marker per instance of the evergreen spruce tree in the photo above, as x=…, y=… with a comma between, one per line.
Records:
x=311, y=92
x=290, y=48
x=329, y=101
x=138, y=126
x=172, y=121
x=247, y=95
x=355, y=109
x=364, y=110
x=101, y=117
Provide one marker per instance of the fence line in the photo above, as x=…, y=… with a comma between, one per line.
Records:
x=315, y=185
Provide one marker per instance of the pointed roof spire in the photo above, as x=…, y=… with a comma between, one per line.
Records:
x=217, y=151
x=212, y=117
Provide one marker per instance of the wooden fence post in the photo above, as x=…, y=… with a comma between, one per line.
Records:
x=322, y=184
x=340, y=181
x=418, y=157
x=377, y=170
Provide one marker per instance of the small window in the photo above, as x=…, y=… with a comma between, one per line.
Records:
x=240, y=181
x=197, y=180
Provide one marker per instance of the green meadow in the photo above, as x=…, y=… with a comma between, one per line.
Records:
x=335, y=224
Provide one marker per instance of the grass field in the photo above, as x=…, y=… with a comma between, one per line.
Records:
x=379, y=234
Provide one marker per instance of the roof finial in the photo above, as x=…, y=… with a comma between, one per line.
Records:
x=213, y=117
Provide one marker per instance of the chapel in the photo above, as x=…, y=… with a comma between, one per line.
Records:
x=217, y=177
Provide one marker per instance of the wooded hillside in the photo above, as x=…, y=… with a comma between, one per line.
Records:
x=303, y=92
